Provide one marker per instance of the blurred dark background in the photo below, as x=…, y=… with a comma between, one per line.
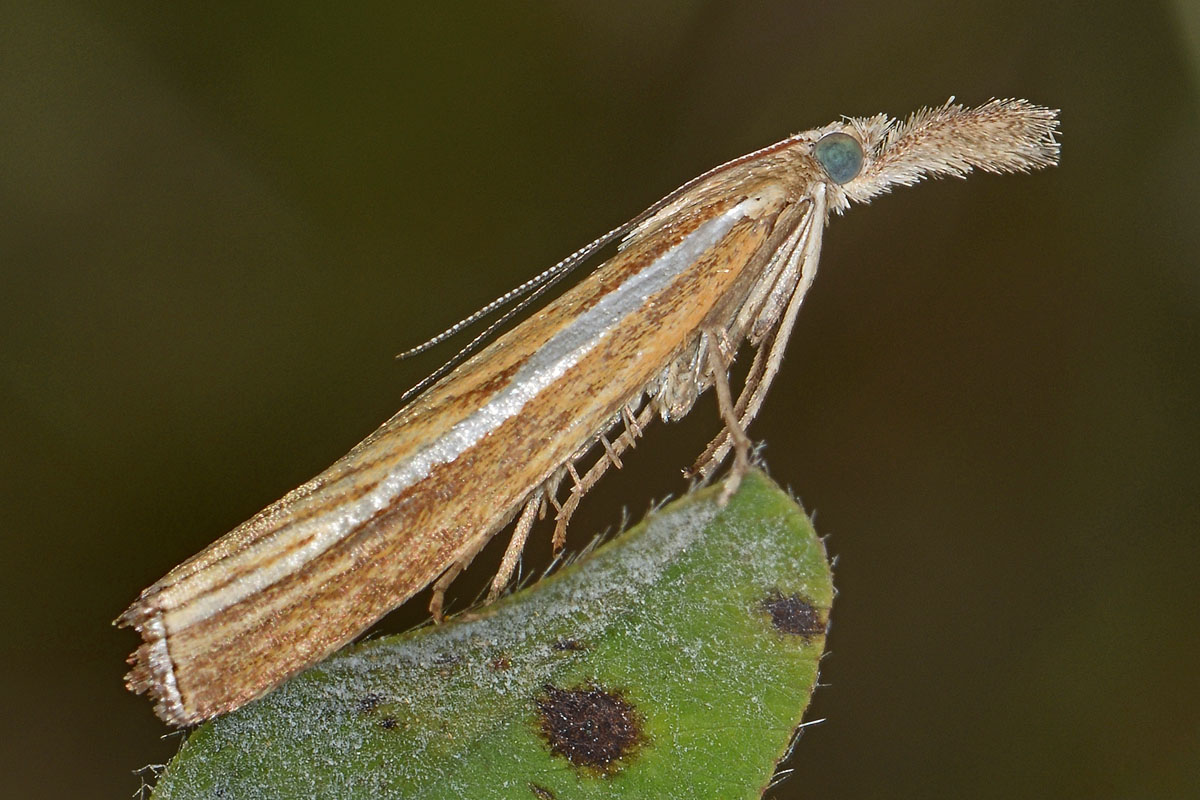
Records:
x=219, y=222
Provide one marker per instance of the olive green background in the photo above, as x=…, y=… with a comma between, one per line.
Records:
x=218, y=223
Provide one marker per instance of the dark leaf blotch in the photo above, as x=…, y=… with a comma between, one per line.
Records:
x=592, y=728
x=369, y=702
x=795, y=615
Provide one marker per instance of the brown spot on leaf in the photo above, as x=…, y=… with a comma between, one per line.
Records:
x=541, y=792
x=369, y=702
x=591, y=728
x=568, y=645
x=389, y=723
x=795, y=615
x=500, y=664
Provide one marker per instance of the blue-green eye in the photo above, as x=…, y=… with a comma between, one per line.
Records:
x=841, y=155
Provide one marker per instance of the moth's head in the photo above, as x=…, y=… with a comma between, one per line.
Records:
x=861, y=157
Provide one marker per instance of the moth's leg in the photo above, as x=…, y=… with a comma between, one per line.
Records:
x=516, y=546
x=635, y=424
x=566, y=509
x=762, y=373
x=438, y=600
x=582, y=483
x=804, y=263
x=632, y=428
x=753, y=381
x=718, y=364
x=718, y=448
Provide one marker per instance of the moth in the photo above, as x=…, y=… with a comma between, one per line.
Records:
x=528, y=423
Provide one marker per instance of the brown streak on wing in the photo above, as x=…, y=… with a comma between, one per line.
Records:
x=244, y=649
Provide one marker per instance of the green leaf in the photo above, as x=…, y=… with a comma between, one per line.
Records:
x=675, y=661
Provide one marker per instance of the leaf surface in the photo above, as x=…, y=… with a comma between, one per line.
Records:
x=674, y=661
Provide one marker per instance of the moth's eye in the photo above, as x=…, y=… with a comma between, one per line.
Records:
x=841, y=155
